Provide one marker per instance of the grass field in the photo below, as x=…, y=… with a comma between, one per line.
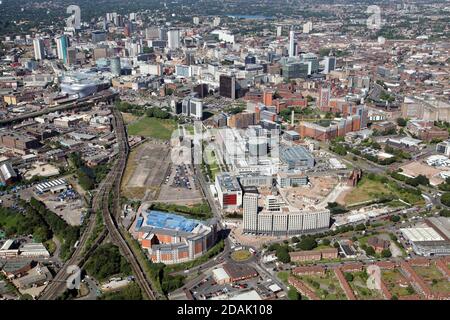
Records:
x=368, y=190
x=128, y=117
x=240, y=255
x=283, y=276
x=365, y=191
x=152, y=127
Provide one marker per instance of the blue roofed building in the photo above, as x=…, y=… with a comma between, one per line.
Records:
x=171, y=238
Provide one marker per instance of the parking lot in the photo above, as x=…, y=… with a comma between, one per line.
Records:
x=180, y=186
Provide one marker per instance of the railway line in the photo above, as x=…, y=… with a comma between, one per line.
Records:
x=109, y=186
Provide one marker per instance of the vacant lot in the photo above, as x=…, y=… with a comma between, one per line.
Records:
x=397, y=283
x=145, y=171
x=152, y=127
x=359, y=287
x=365, y=191
x=373, y=189
x=434, y=278
x=326, y=287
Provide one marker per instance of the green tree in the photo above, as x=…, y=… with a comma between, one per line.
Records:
x=386, y=253
x=307, y=243
x=445, y=199
x=401, y=122
x=348, y=276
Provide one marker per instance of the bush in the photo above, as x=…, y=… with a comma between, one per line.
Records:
x=445, y=199
x=386, y=253
x=348, y=276
x=307, y=243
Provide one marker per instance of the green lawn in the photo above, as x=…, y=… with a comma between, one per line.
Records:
x=365, y=191
x=283, y=276
x=369, y=190
x=152, y=127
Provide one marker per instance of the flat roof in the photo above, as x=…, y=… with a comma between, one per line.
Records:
x=170, y=221
x=220, y=274
x=421, y=234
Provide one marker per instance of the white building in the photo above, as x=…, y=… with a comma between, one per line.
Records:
x=291, y=43
x=307, y=27
x=330, y=64
x=39, y=53
x=173, y=39
x=250, y=204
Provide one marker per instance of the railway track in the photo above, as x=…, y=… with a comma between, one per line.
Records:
x=109, y=186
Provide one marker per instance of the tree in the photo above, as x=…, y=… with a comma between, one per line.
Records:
x=401, y=122
x=326, y=242
x=307, y=243
x=348, y=276
x=293, y=294
x=445, y=199
x=370, y=251
x=295, y=239
x=283, y=254
x=386, y=253
x=395, y=218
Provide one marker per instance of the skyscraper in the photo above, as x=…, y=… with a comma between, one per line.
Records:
x=173, y=39
x=330, y=64
x=115, y=66
x=39, y=52
x=62, y=43
x=227, y=86
x=250, y=215
x=279, y=31
x=291, y=43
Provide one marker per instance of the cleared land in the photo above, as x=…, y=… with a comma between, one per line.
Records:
x=152, y=127
x=145, y=171
x=368, y=190
x=128, y=117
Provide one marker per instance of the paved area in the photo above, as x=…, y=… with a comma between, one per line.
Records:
x=146, y=169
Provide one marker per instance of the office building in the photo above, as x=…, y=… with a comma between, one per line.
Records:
x=291, y=43
x=98, y=36
x=330, y=64
x=229, y=191
x=39, y=52
x=307, y=27
x=192, y=107
x=295, y=70
x=296, y=157
x=173, y=39
x=227, y=86
x=115, y=66
x=71, y=56
x=279, y=31
x=250, y=206
x=62, y=44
